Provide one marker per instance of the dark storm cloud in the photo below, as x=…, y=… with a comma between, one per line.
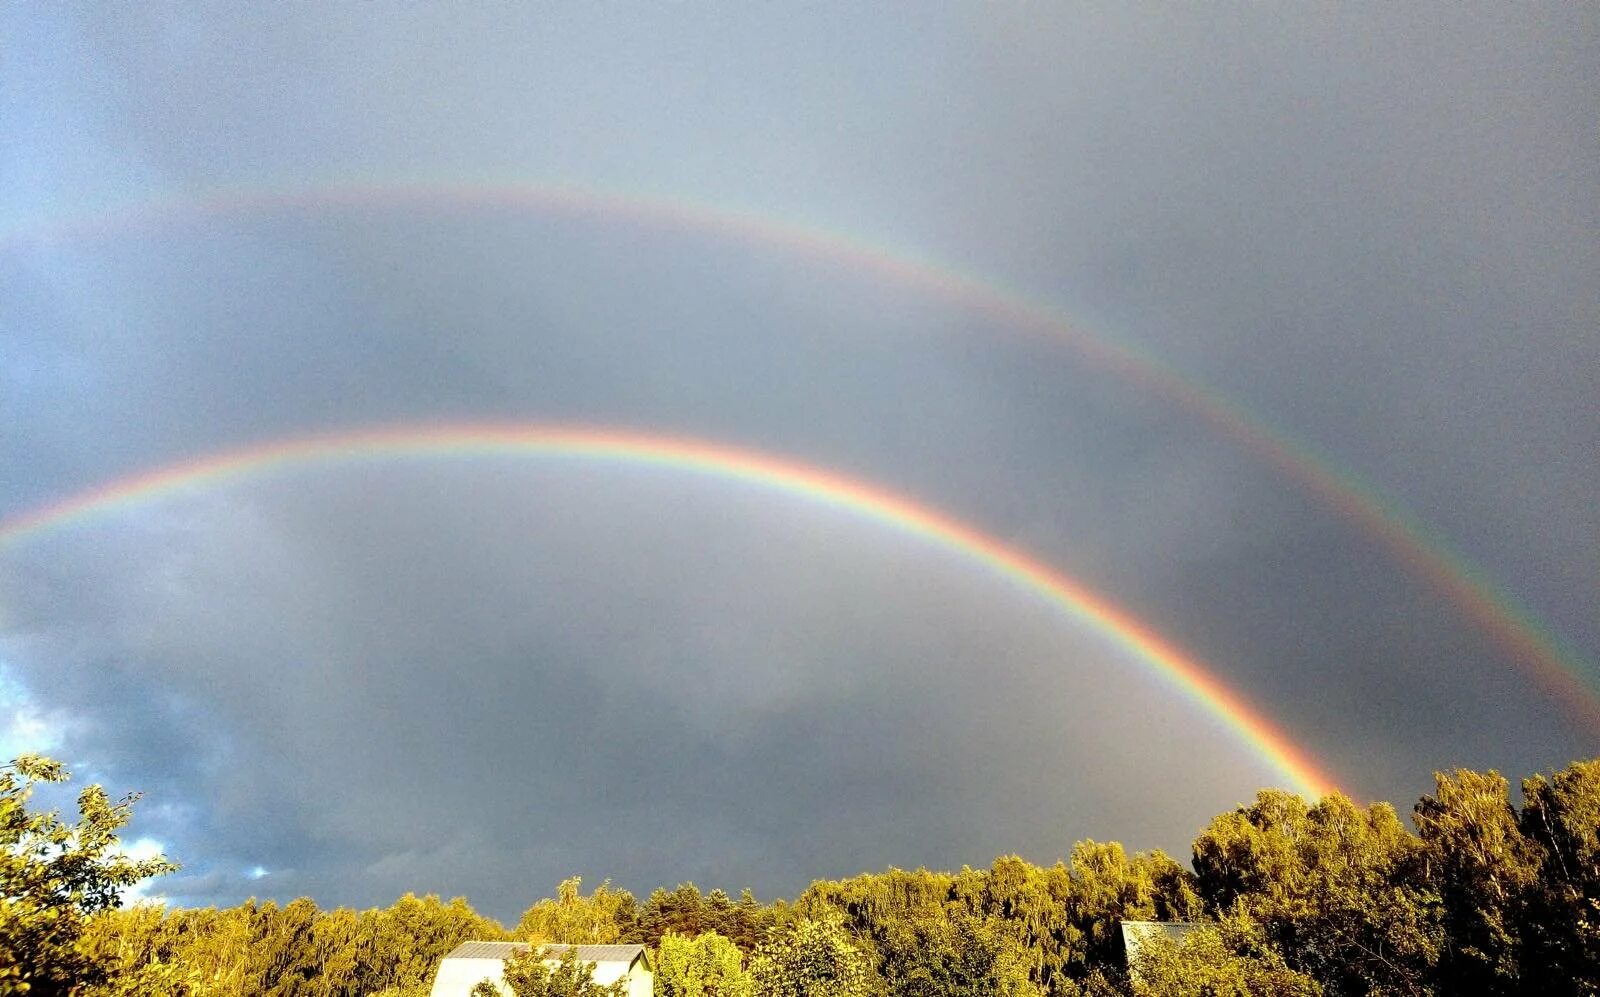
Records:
x=557, y=655
x=1376, y=227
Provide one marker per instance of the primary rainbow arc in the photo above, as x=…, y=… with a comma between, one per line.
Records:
x=1180, y=671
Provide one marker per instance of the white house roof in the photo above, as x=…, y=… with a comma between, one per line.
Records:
x=470, y=962
x=587, y=953
x=1136, y=933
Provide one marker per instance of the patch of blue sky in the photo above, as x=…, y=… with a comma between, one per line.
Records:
x=25, y=726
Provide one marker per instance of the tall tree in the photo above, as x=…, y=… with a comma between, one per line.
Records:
x=1340, y=890
x=408, y=938
x=923, y=939
x=1109, y=887
x=54, y=876
x=604, y=917
x=1561, y=921
x=1483, y=867
x=814, y=958
x=684, y=911
x=706, y=965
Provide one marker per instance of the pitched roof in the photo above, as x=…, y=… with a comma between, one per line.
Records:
x=1135, y=933
x=588, y=953
x=599, y=953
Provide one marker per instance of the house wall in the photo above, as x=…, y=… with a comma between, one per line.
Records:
x=641, y=982
x=457, y=977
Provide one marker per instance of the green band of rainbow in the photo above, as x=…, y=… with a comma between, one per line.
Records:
x=824, y=487
x=1558, y=670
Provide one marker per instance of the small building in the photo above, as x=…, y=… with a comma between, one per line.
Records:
x=1136, y=933
x=471, y=962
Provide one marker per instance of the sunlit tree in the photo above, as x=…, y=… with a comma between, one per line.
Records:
x=604, y=917
x=814, y=958
x=1341, y=891
x=1561, y=918
x=1483, y=868
x=54, y=876
x=707, y=965
x=1228, y=958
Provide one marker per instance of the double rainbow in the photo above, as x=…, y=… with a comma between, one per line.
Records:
x=1556, y=669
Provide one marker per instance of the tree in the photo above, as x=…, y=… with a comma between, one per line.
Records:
x=602, y=918
x=290, y=951
x=1339, y=890
x=707, y=965
x=685, y=911
x=1561, y=920
x=1108, y=887
x=1229, y=958
x=407, y=940
x=927, y=939
x=815, y=958
x=1483, y=867
x=530, y=974
x=54, y=876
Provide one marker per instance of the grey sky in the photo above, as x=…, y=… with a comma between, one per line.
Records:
x=1377, y=228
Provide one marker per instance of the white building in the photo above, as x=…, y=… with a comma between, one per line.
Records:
x=471, y=962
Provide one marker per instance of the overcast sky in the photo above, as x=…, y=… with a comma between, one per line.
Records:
x=1377, y=229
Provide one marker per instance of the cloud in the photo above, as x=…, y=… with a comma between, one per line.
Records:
x=465, y=678
x=25, y=726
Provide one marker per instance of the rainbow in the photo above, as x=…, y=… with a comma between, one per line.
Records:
x=1183, y=673
x=1558, y=670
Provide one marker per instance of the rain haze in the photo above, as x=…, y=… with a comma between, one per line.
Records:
x=1323, y=285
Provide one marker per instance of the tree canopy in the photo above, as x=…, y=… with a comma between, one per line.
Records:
x=1479, y=893
x=55, y=876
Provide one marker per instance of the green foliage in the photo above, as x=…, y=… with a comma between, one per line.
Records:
x=923, y=937
x=813, y=958
x=409, y=938
x=1297, y=897
x=292, y=951
x=1342, y=891
x=1014, y=929
x=685, y=911
x=1483, y=867
x=1107, y=887
x=1229, y=958
x=531, y=974
x=1561, y=912
x=707, y=965
x=603, y=918
x=55, y=876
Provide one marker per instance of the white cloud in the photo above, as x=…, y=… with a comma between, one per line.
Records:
x=140, y=849
x=25, y=725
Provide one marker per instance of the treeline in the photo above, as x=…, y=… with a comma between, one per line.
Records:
x=296, y=950
x=1289, y=897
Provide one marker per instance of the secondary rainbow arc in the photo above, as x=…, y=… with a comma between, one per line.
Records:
x=1560, y=671
x=1196, y=682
